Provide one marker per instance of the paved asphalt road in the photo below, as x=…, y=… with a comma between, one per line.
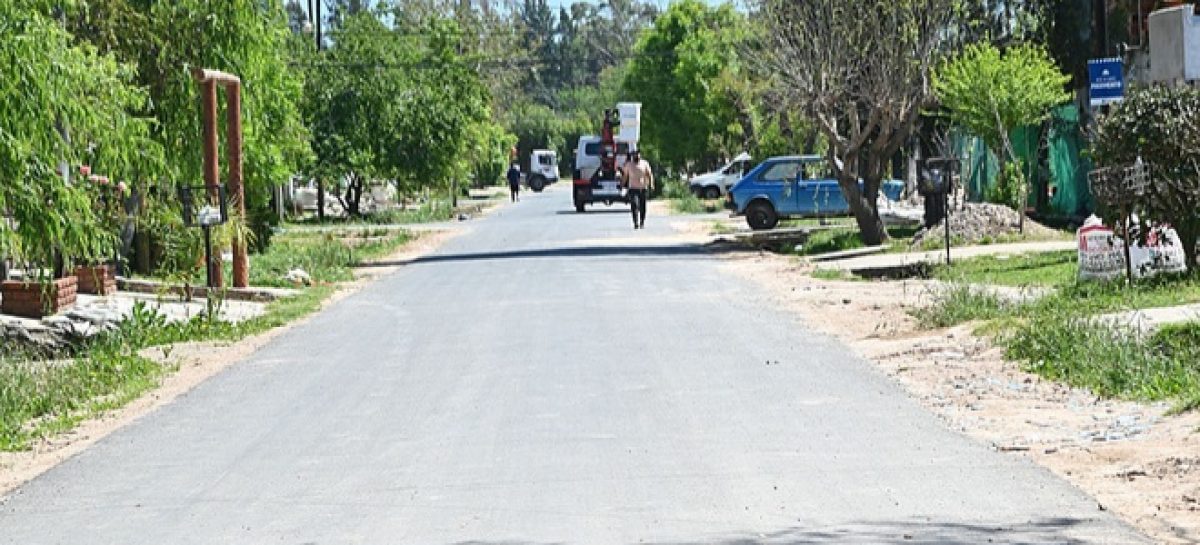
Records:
x=547, y=378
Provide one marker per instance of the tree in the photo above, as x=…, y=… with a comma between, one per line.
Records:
x=683, y=72
x=861, y=72
x=1158, y=124
x=393, y=104
x=352, y=106
x=248, y=38
x=989, y=93
x=67, y=104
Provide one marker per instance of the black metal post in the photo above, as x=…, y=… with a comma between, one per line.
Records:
x=208, y=257
x=946, y=218
x=1127, y=240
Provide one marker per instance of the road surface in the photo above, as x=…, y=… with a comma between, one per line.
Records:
x=549, y=378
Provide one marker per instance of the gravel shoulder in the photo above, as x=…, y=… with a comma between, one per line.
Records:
x=1137, y=460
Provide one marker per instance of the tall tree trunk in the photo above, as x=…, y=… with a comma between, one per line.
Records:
x=864, y=206
x=320, y=201
x=1188, y=233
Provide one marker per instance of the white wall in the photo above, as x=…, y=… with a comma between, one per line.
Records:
x=1175, y=44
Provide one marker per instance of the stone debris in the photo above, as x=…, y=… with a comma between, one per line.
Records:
x=298, y=277
x=980, y=222
x=96, y=315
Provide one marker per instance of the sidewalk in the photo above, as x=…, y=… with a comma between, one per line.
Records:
x=881, y=264
x=1147, y=320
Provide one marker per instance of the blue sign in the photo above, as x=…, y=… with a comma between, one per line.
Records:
x=1106, y=81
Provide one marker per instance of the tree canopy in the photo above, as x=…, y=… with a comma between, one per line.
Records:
x=65, y=104
x=990, y=92
x=861, y=72
x=684, y=72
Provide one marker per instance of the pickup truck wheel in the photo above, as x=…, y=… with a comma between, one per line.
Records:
x=712, y=192
x=537, y=184
x=760, y=215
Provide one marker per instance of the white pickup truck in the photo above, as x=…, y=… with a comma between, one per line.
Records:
x=587, y=160
x=712, y=185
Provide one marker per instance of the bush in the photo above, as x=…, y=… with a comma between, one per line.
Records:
x=1158, y=124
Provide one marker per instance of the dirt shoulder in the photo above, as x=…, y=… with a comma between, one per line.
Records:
x=1137, y=460
x=195, y=363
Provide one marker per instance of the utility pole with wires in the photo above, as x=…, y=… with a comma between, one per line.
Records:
x=314, y=24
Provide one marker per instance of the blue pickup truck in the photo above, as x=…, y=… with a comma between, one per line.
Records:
x=793, y=186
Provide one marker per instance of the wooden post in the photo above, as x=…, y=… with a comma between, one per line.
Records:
x=233, y=141
x=208, y=98
x=209, y=79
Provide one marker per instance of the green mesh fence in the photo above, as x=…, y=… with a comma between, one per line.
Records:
x=1067, y=169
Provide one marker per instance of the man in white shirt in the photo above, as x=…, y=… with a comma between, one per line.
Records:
x=639, y=179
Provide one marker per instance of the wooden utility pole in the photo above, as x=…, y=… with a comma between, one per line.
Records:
x=208, y=100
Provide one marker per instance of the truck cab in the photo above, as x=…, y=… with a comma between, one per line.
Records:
x=543, y=169
x=794, y=186
x=587, y=189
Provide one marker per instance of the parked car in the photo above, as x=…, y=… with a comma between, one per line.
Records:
x=712, y=185
x=793, y=186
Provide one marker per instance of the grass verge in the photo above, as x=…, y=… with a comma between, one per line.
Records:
x=1037, y=269
x=1060, y=336
x=681, y=200
x=41, y=398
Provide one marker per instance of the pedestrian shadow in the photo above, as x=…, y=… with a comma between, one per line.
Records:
x=572, y=212
x=677, y=251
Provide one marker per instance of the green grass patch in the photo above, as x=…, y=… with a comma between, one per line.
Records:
x=1110, y=360
x=1061, y=337
x=681, y=200
x=833, y=274
x=1037, y=269
x=959, y=304
x=825, y=241
x=431, y=211
x=325, y=256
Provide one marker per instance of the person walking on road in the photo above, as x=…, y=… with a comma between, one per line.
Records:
x=638, y=180
x=514, y=181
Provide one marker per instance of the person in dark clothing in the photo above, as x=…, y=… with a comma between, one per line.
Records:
x=514, y=181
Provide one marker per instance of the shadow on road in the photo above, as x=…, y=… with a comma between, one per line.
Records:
x=601, y=211
x=645, y=251
x=1046, y=531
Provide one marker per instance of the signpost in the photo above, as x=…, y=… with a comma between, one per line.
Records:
x=206, y=217
x=1106, y=81
x=937, y=182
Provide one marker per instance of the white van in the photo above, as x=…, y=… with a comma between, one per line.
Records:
x=713, y=184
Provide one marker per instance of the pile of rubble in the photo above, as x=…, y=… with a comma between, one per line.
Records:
x=975, y=223
x=55, y=333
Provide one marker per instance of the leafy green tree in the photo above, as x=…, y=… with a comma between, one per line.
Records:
x=680, y=73
x=1158, y=125
x=536, y=127
x=393, y=104
x=248, y=38
x=990, y=92
x=63, y=104
x=353, y=95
